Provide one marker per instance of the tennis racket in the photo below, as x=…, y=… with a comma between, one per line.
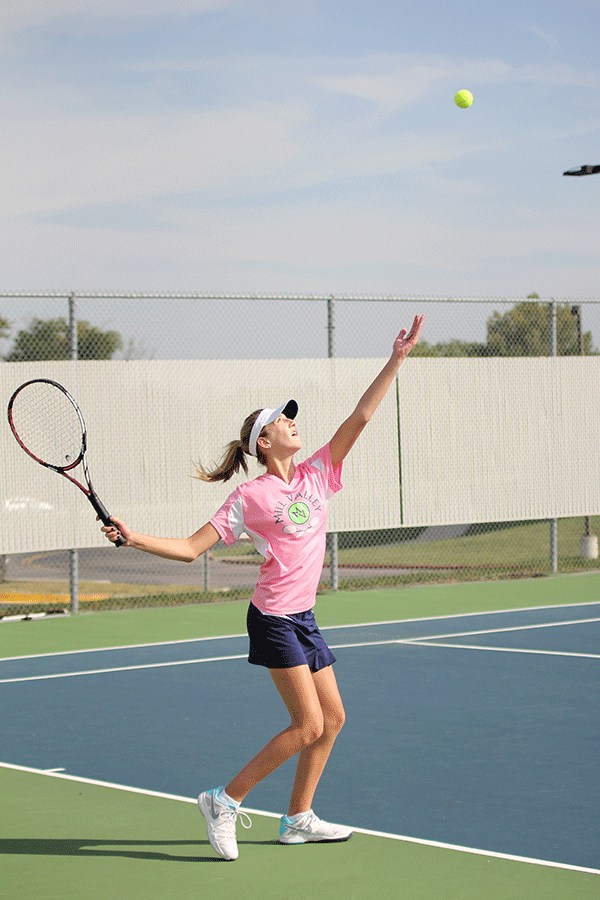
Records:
x=49, y=426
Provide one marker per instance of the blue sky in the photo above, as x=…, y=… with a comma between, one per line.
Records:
x=300, y=147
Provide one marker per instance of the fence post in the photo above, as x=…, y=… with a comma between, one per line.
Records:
x=332, y=538
x=74, y=553
x=205, y=578
x=553, y=522
x=74, y=580
x=576, y=312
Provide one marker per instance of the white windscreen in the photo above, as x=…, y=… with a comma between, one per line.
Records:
x=491, y=440
x=149, y=422
x=480, y=441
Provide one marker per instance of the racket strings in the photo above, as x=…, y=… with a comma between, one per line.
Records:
x=48, y=425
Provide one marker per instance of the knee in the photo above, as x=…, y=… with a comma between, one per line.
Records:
x=311, y=731
x=335, y=722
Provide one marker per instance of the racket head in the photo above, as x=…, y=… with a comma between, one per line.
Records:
x=48, y=424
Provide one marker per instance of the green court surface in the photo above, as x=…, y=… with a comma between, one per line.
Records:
x=113, y=629
x=68, y=840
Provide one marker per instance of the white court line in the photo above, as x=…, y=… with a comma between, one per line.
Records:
x=257, y=812
x=439, y=637
x=220, y=637
x=159, y=665
x=435, y=639
x=501, y=649
x=425, y=642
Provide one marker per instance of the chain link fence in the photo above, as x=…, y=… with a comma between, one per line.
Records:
x=89, y=327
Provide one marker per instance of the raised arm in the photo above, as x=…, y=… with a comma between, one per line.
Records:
x=348, y=432
x=182, y=549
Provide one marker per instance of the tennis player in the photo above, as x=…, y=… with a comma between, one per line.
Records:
x=284, y=513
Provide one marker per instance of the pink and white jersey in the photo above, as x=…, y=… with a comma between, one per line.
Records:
x=287, y=525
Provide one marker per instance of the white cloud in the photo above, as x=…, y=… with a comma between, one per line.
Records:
x=410, y=78
x=390, y=90
x=329, y=247
x=286, y=167
x=63, y=149
x=318, y=235
x=18, y=13
x=550, y=39
x=65, y=161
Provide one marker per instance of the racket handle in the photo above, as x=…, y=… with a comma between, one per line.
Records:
x=104, y=517
x=120, y=540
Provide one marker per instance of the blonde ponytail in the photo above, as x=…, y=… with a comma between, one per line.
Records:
x=234, y=457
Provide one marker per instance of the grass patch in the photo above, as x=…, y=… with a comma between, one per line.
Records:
x=510, y=548
x=485, y=553
x=31, y=596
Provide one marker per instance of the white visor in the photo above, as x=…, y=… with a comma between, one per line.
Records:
x=265, y=417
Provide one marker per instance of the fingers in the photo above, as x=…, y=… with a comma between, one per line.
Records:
x=414, y=329
x=115, y=530
x=113, y=534
x=406, y=341
x=413, y=334
x=416, y=326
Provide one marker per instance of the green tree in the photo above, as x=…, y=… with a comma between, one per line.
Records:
x=92, y=343
x=49, y=339
x=525, y=331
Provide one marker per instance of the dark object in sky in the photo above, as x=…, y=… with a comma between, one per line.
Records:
x=583, y=170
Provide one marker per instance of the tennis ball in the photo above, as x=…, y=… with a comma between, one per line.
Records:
x=463, y=99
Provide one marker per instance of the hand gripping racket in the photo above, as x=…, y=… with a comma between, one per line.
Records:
x=49, y=426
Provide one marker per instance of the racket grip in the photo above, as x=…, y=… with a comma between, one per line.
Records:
x=104, y=517
x=120, y=540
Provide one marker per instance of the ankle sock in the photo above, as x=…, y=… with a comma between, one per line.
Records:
x=224, y=797
x=296, y=817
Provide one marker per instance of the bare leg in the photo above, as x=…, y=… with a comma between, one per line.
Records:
x=313, y=758
x=300, y=694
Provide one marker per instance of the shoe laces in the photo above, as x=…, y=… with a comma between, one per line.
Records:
x=243, y=815
x=232, y=814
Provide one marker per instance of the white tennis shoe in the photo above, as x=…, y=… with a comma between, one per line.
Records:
x=220, y=823
x=307, y=827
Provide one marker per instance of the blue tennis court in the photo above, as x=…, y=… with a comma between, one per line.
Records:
x=478, y=731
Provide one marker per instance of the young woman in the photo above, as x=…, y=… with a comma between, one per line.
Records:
x=284, y=513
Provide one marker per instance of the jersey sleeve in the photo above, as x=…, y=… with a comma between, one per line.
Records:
x=228, y=520
x=321, y=460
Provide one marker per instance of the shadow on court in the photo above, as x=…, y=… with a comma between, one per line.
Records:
x=106, y=848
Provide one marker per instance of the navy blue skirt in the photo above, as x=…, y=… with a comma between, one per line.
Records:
x=282, y=642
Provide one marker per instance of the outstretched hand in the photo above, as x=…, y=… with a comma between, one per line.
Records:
x=404, y=343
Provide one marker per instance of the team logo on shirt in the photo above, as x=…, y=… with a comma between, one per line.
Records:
x=299, y=512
